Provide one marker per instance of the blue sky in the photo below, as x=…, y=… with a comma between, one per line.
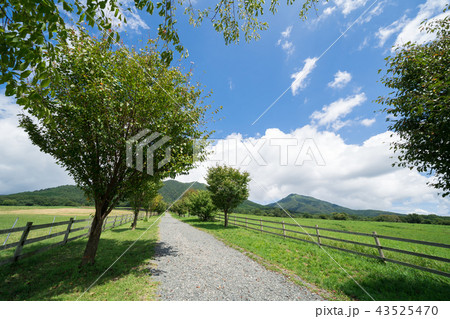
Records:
x=328, y=106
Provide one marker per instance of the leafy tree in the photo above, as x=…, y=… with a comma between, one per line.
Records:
x=228, y=187
x=201, y=205
x=181, y=207
x=27, y=33
x=419, y=105
x=151, y=203
x=103, y=97
x=161, y=206
x=414, y=218
x=142, y=193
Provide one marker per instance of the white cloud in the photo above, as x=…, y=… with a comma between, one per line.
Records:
x=376, y=11
x=300, y=76
x=333, y=113
x=347, y=6
x=22, y=165
x=384, y=33
x=368, y=122
x=355, y=176
x=409, y=29
x=341, y=79
x=230, y=84
x=286, y=45
x=431, y=10
x=134, y=21
x=329, y=11
x=287, y=33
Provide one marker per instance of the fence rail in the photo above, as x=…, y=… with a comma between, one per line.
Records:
x=109, y=223
x=316, y=238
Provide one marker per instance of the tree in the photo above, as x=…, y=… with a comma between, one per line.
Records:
x=180, y=207
x=142, y=194
x=102, y=98
x=152, y=203
x=201, y=205
x=228, y=187
x=27, y=33
x=340, y=216
x=419, y=105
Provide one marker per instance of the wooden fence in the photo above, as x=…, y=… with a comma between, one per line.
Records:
x=109, y=223
x=261, y=225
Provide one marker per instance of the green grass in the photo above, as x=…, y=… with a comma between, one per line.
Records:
x=54, y=275
x=310, y=263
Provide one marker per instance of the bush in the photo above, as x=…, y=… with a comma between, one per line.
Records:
x=201, y=205
x=340, y=216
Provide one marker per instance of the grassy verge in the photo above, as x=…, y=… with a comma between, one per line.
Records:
x=314, y=266
x=54, y=275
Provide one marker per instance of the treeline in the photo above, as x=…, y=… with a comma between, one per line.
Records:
x=409, y=218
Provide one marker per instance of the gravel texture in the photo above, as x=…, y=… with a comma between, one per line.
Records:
x=193, y=265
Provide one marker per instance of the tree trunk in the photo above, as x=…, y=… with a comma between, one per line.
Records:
x=136, y=214
x=226, y=219
x=94, y=238
x=146, y=213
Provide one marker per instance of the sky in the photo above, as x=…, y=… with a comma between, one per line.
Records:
x=299, y=111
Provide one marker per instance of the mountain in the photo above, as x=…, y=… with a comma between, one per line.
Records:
x=67, y=195
x=307, y=204
x=70, y=195
x=173, y=189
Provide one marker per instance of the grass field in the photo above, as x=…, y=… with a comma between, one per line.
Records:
x=314, y=266
x=54, y=275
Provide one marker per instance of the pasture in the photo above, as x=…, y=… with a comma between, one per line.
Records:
x=54, y=274
x=322, y=267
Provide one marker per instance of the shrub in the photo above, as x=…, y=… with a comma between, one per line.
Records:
x=201, y=205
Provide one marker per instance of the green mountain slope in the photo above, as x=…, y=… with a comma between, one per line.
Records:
x=67, y=195
x=306, y=204
x=70, y=195
x=173, y=189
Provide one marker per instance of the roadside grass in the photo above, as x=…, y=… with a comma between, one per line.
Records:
x=313, y=265
x=54, y=275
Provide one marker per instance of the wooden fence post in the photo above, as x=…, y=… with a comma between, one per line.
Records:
x=284, y=230
x=114, y=223
x=260, y=223
x=69, y=226
x=246, y=225
x=104, y=223
x=318, y=235
x=380, y=249
x=23, y=238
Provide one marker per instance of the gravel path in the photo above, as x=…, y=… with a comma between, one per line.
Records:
x=193, y=265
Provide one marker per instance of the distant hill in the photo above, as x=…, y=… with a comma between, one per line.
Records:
x=307, y=204
x=70, y=195
x=173, y=189
x=67, y=195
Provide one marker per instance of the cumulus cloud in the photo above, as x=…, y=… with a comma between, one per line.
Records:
x=286, y=45
x=22, y=165
x=321, y=164
x=331, y=115
x=341, y=79
x=301, y=76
